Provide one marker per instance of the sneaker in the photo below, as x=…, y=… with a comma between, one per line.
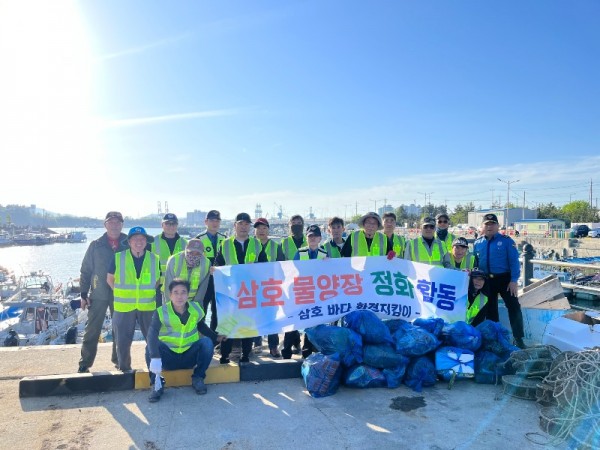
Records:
x=519, y=343
x=155, y=395
x=286, y=353
x=258, y=349
x=244, y=359
x=274, y=352
x=199, y=386
x=224, y=360
x=83, y=369
x=296, y=350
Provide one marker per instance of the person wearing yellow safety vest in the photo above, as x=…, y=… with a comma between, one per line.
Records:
x=190, y=265
x=477, y=298
x=335, y=245
x=166, y=244
x=241, y=248
x=389, y=229
x=312, y=251
x=179, y=339
x=289, y=247
x=441, y=231
x=460, y=256
x=211, y=238
x=272, y=252
x=427, y=249
x=133, y=276
x=296, y=239
x=367, y=241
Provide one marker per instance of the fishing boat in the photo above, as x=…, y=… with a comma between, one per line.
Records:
x=36, y=308
x=5, y=239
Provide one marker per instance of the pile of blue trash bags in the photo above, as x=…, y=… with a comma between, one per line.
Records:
x=369, y=352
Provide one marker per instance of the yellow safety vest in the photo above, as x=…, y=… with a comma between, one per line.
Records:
x=173, y=333
x=288, y=246
x=230, y=255
x=132, y=293
x=358, y=241
x=270, y=249
x=332, y=250
x=420, y=251
x=161, y=248
x=477, y=305
x=468, y=261
x=321, y=253
x=398, y=245
x=447, y=242
x=209, y=251
x=181, y=270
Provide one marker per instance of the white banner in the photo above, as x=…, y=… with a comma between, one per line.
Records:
x=268, y=298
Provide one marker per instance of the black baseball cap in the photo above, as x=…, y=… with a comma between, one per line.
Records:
x=243, y=217
x=313, y=230
x=460, y=242
x=440, y=215
x=213, y=214
x=428, y=221
x=170, y=217
x=113, y=215
x=490, y=218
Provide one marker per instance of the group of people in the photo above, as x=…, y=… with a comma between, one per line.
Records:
x=164, y=283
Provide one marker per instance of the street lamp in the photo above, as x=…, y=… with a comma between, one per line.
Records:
x=508, y=183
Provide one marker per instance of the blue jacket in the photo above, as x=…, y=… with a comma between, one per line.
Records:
x=498, y=255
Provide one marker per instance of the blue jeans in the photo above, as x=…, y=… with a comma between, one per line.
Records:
x=198, y=357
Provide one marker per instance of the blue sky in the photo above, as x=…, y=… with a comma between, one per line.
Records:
x=333, y=105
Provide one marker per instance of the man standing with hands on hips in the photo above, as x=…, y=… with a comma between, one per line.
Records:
x=498, y=258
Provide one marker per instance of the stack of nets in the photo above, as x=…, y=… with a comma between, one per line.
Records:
x=570, y=394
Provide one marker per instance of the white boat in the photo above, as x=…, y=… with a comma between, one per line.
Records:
x=33, y=290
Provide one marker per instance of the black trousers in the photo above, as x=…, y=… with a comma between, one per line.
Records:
x=498, y=285
x=227, y=345
x=209, y=300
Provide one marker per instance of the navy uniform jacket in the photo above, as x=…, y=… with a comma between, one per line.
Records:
x=498, y=255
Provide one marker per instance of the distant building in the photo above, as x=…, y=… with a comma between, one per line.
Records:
x=195, y=218
x=412, y=209
x=385, y=208
x=539, y=226
x=514, y=214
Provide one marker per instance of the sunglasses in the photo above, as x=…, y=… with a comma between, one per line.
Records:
x=442, y=221
x=428, y=226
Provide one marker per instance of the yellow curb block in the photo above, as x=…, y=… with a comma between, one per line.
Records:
x=216, y=373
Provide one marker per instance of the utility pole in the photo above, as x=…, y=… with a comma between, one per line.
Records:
x=508, y=183
x=523, y=218
x=591, y=192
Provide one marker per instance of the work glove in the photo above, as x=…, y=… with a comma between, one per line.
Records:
x=156, y=366
x=391, y=255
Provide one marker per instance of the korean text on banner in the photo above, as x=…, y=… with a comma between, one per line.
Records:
x=268, y=298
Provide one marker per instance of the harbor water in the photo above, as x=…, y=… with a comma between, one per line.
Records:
x=62, y=261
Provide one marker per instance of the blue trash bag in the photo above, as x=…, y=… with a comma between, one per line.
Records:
x=382, y=356
x=461, y=335
x=420, y=373
x=489, y=367
x=363, y=376
x=330, y=339
x=395, y=375
x=322, y=374
x=414, y=341
x=433, y=325
x=369, y=326
x=495, y=338
x=395, y=324
x=452, y=362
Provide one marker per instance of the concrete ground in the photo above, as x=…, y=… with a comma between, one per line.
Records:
x=255, y=415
